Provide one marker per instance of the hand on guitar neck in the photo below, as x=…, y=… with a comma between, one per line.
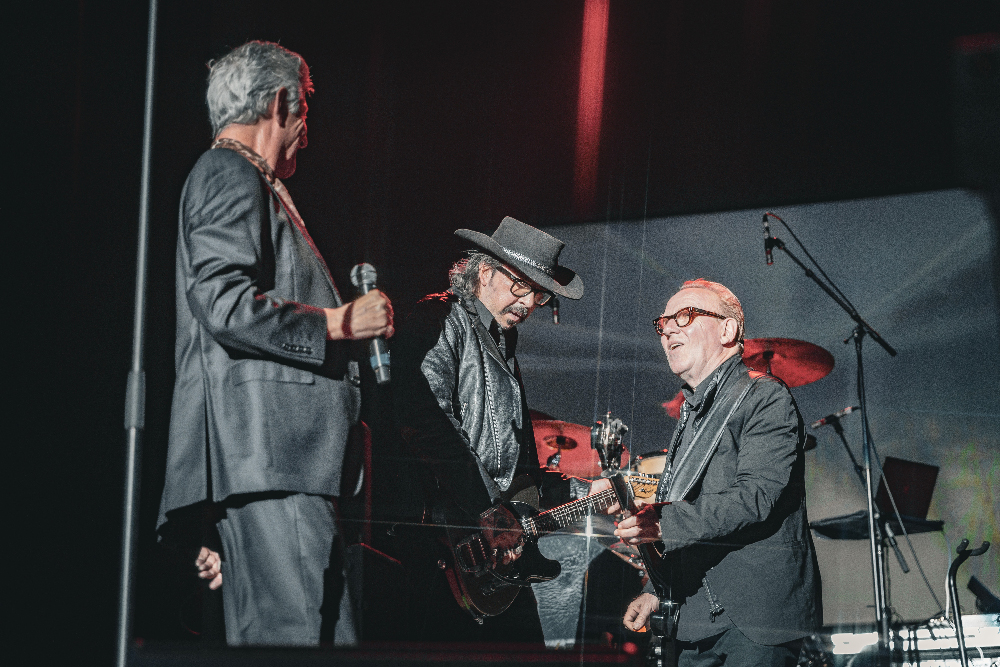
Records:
x=642, y=523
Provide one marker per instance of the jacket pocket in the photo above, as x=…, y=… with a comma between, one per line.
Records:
x=258, y=369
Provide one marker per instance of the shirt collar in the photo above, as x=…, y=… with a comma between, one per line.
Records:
x=484, y=313
x=250, y=154
x=696, y=397
x=509, y=335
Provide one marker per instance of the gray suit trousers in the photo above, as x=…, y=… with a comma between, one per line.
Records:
x=282, y=570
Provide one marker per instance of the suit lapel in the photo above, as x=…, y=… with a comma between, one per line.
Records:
x=485, y=339
x=490, y=345
x=288, y=206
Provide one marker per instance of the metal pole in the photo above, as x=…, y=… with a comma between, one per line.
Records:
x=135, y=395
x=881, y=591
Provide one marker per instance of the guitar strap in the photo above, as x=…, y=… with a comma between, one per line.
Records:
x=678, y=481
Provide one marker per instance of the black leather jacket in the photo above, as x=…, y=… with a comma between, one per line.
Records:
x=458, y=405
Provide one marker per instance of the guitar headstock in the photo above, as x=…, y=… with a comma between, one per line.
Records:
x=606, y=438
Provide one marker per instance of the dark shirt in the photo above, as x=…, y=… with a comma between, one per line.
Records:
x=698, y=401
x=506, y=339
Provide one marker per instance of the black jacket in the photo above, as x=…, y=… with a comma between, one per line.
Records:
x=459, y=406
x=742, y=524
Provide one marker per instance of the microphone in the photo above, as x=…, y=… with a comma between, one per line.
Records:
x=555, y=310
x=363, y=277
x=829, y=419
x=767, y=242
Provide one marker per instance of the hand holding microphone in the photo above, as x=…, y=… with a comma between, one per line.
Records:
x=370, y=316
x=367, y=317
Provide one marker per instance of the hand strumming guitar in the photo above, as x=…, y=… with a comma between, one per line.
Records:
x=503, y=533
x=209, y=566
x=639, y=611
x=642, y=526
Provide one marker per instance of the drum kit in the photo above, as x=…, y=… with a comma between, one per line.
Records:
x=565, y=447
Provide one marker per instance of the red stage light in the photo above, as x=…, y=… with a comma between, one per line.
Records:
x=591, y=101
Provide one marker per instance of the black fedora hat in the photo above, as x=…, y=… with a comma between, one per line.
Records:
x=533, y=252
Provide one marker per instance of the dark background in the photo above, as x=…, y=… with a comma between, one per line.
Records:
x=428, y=116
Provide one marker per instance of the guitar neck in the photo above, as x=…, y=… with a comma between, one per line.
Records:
x=571, y=512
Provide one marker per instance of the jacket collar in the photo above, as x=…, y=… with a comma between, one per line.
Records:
x=482, y=319
x=695, y=398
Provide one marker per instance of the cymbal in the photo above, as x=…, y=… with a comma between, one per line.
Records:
x=673, y=406
x=566, y=447
x=794, y=362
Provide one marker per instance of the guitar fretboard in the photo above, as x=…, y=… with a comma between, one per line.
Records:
x=571, y=512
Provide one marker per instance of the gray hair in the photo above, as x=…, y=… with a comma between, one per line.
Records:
x=464, y=274
x=242, y=83
x=730, y=304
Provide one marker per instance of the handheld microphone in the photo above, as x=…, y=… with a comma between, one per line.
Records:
x=363, y=277
x=555, y=310
x=829, y=419
x=767, y=242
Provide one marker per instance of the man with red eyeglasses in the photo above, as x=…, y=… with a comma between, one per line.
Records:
x=730, y=517
x=459, y=404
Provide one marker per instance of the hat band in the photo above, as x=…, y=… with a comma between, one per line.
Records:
x=527, y=260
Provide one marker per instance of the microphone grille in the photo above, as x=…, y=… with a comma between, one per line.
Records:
x=363, y=274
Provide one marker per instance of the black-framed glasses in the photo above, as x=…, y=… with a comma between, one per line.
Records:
x=683, y=317
x=520, y=288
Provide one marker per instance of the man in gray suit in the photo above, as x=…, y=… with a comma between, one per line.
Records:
x=730, y=509
x=266, y=391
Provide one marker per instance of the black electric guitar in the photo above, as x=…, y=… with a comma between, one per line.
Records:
x=481, y=582
x=606, y=438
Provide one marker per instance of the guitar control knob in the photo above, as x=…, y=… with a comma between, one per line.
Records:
x=442, y=565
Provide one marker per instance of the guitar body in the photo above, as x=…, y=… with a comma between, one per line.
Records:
x=480, y=581
x=478, y=592
x=663, y=621
x=487, y=590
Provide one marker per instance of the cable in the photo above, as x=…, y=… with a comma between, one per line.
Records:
x=899, y=519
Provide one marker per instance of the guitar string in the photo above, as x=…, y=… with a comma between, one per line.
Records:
x=570, y=512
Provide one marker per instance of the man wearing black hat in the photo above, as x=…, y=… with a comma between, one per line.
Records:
x=460, y=406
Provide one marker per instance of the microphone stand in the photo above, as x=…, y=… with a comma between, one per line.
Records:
x=861, y=329
x=883, y=523
x=135, y=393
x=839, y=430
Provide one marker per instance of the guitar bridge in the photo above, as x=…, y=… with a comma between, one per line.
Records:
x=471, y=555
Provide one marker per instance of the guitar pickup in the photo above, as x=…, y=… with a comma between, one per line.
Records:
x=471, y=555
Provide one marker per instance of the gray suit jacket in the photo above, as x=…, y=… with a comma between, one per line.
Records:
x=742, y=524
x=262, y=401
